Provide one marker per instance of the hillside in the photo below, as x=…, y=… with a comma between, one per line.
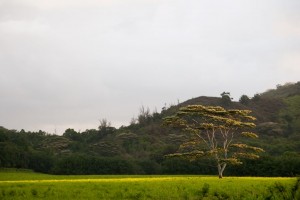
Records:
x=140, y=148
x=283, y=91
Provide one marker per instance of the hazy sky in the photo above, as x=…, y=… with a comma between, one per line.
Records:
x=68, y=63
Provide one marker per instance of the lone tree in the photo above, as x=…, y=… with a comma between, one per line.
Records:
x=212, y=132
x=225, y=98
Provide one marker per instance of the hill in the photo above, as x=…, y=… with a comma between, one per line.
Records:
x=140, y=148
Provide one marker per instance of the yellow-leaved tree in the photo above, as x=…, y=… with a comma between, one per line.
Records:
x=216, y=128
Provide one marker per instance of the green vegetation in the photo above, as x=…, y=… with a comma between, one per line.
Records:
x=244, y=100
x=291, y=115
x=144, y=187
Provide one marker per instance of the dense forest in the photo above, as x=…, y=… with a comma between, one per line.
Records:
x=140, y=148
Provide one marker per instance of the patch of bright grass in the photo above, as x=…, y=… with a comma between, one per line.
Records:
x=31, y=185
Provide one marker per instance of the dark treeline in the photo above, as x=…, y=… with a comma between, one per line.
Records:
x=140, y=148
x=91, y=152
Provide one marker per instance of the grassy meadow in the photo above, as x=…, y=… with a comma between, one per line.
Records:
x=22, y=184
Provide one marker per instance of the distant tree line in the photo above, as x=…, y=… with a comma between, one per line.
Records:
x=21, y=149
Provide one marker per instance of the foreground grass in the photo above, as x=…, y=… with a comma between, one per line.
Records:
x=29, y=185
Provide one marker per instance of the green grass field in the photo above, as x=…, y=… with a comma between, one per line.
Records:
x=22, y=184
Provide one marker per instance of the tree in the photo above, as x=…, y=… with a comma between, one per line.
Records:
x=225, y=98
x=105, y=128
x=104, y=124
x=144, y=115
x=72, y=134
x=244, y=99
x=212, y=131
x=256, y=97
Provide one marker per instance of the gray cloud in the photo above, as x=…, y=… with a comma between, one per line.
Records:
x=69, y=63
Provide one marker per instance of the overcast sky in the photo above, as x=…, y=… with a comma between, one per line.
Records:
x=68, y=63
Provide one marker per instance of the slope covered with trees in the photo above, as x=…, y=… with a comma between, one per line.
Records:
x=140, y=148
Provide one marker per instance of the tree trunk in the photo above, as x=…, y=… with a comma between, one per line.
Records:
x=221, y=169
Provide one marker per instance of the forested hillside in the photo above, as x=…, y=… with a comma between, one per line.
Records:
x=140, y=148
